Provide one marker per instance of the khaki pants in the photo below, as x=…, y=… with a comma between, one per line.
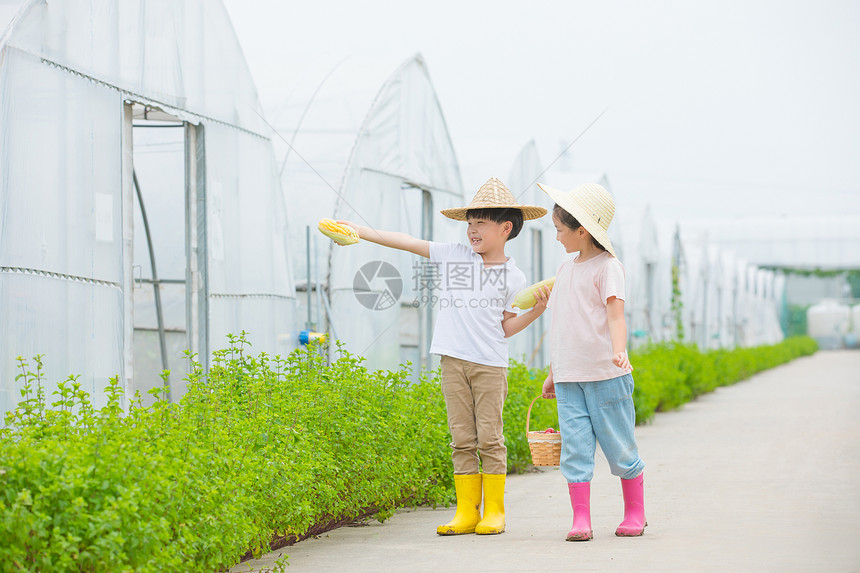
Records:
x=474, y=395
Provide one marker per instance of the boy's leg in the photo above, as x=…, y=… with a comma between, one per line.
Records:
x=461, y=416
x=461, y=422
x=490, y=388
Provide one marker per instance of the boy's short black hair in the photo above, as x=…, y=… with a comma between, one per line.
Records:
x=500, y=215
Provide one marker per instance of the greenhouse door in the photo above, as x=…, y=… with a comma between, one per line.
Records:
x=416, y=310
x=162, y=307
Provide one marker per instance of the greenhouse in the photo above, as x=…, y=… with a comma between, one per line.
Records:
x=370, y=145
x=142, y=212
x=151, y=208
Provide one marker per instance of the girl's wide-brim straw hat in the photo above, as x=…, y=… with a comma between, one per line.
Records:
x=494, y=195
x=591, y=205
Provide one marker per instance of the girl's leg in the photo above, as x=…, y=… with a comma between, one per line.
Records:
x=614, y=417
x=577, y=434
x=577, y=455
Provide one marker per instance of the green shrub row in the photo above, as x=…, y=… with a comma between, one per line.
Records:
x=666, y=376
x=264, y=448
x=669, y=375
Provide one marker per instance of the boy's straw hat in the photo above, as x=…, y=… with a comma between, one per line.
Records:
x=494, y=195
x=591, y=205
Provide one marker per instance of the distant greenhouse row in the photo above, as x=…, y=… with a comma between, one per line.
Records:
x=150, y=208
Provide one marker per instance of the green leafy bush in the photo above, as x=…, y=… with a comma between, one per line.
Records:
x=262, y=448
x=257, y=448
x=523, y=385
x=669, y=375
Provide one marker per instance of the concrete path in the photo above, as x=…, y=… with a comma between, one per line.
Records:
x=760, y=476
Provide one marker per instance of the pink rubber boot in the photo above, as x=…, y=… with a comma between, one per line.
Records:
x=634, y=508
x=580, y=501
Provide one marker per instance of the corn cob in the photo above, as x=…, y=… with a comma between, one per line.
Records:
x=526, y=298
x=341, y=234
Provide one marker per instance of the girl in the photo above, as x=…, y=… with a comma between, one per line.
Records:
x=589, y=371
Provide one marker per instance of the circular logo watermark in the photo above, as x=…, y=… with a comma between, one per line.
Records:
x=377, y=285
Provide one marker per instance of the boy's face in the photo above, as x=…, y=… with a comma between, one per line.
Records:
x=485, y=235
x=572, y=240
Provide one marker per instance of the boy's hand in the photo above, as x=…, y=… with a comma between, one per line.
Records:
x=348, y=224
x=548, y=390
x=622, y=361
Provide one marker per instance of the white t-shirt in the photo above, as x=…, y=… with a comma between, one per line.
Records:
x=580, y=345
x=471, y=299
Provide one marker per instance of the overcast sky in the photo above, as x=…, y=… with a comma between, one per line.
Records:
x=715, y=108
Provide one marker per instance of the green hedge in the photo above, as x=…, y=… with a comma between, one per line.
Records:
x=669, y=375
x=264, y=448
x=666, y=376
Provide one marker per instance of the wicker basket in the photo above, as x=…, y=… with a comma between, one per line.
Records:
x=545, y=448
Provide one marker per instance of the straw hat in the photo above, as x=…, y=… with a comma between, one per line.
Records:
x=494, y=195
x=591, y=205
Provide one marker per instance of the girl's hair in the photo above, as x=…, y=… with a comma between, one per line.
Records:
x=500, y=215
x=570, y=222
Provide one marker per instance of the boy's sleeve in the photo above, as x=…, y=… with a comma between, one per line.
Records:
x=517, y=283
x=440, y=252
x=612, y=283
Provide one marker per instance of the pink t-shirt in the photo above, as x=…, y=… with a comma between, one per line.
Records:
x=580, y=345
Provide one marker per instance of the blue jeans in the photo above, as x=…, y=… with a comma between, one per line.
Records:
x=597, y=412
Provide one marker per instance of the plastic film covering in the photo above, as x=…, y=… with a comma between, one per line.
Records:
x=57, y=298
x=42, y=315
x=401, y=172
x=70, y=255
x=180, y=54
x=246, y=235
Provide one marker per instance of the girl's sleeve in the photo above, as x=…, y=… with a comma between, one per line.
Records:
x=612, y=283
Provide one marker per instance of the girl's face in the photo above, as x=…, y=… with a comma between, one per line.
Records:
x=571, y=239
x=485, y=235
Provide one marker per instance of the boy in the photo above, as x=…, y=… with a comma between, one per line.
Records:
x=479, y=284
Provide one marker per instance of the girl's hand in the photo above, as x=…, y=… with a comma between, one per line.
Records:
x=542, y=297
x=548, y=390
x=622, y=361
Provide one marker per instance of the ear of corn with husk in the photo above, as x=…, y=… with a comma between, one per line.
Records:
x=341, y=234
x=526, y=298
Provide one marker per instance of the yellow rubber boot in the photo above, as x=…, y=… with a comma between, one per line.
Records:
x=494, y=505
x=468, y=488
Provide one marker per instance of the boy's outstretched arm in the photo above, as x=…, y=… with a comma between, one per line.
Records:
x=393, y=239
